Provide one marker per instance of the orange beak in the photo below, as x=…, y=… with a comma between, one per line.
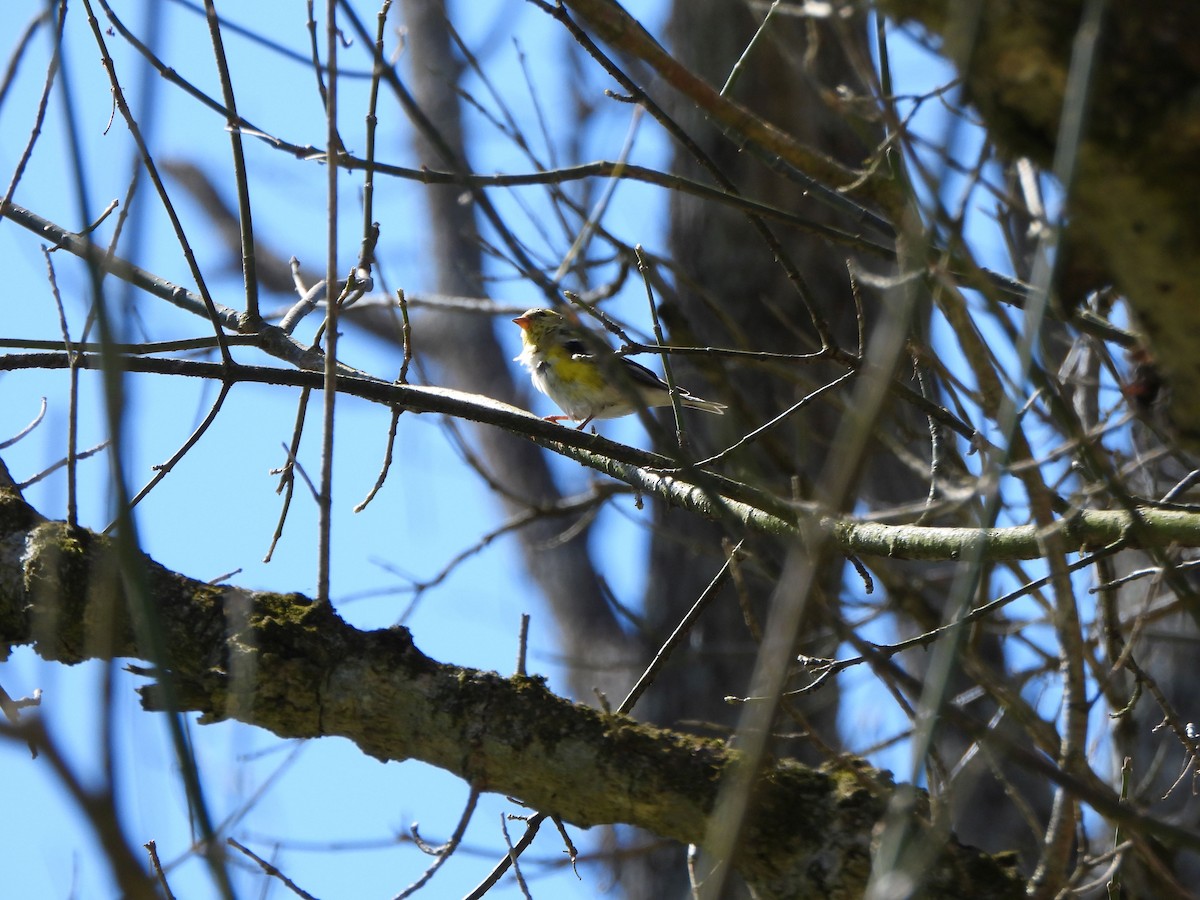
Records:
x=523, y=321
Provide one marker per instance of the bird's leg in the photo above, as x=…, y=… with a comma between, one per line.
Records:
x=554, y=418
x=583, y=424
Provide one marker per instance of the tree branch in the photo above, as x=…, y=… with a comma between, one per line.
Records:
x=292, y=666
x=706, y=493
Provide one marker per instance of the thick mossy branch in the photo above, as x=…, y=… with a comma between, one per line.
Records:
x=292, y=666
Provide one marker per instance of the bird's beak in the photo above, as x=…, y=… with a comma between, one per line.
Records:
x=523, y=321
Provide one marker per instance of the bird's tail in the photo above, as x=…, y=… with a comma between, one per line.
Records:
x=707, y=405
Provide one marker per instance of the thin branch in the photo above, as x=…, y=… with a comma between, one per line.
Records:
x=329, y=398
x=269, y=869
x=680, y=633
x=245, y=220
x=444, y=852
x=152, y=169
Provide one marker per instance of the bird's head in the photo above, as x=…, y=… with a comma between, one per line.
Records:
x=538, y=326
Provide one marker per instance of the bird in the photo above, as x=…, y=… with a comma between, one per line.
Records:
x=583, y=376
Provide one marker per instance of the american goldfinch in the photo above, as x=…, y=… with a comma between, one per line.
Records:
x=567, y=366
